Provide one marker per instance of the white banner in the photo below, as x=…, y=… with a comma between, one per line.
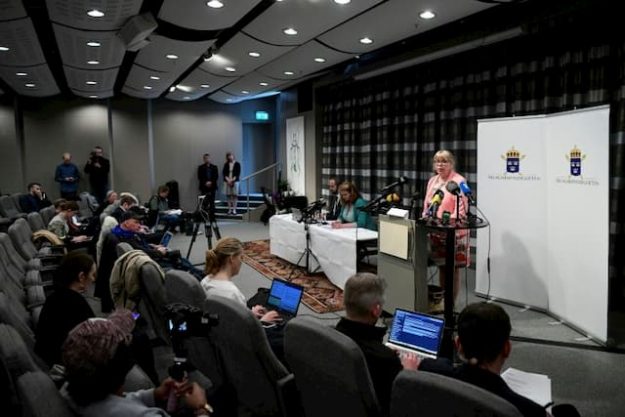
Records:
x=543, y=184
x=295, y=160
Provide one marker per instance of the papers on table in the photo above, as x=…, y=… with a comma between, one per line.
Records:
x=173, y=211
x=536, y=387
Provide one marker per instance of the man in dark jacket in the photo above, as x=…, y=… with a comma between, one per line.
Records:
x=98, y=167
x=207, y=176
x=35, y=200
x=68, y=175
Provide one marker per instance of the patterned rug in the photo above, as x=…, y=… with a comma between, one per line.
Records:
x=319, y=293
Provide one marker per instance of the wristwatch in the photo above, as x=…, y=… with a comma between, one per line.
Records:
x=205, y=410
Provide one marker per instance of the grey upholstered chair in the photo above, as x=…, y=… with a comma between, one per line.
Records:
x=21, y=236
x=258, y=378
x=47, y=214
x=330, y=371
x=16, y=259
x=35, y=221
x=183, y=287
x=9, y=209
x=40, y=397
x=426, y=394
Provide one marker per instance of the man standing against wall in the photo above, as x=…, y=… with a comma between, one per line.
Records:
x=207, y=175
x=68, y=175
x=98, y=167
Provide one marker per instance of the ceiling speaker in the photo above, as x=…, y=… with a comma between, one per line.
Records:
x=135, y=31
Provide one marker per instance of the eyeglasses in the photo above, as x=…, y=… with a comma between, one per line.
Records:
x=442, y=162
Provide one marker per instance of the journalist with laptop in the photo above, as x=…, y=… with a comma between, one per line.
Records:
x=364, y=301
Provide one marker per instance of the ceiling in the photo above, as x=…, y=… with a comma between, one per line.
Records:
x=185, y=50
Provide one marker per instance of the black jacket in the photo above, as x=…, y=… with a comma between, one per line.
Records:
x=236, y=171
x=98, y=175
x=207, y=173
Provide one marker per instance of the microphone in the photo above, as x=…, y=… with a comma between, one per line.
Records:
x=466, y=190
x=435, y=202
x=316, y=205
x=453, y=188
x=401, y=180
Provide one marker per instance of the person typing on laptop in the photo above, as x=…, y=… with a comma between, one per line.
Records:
x=483, y=342
x=364, y=299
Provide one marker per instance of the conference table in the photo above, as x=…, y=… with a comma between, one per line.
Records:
x=335, y=249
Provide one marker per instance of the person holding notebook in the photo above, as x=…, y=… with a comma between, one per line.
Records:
x=364, y=299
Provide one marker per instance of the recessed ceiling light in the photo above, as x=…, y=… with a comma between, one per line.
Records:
x=30, y=85
x=91, y=82
x=253, y=54
x=95, y=13
x=244, y=92
x=186, y=97
x=204, y=86
x=228, y=99
x=366, y=41
x=94, y=44
x=154, y=77
x=264, y=84
x=320, y=60
x=147, y=87
x=230, y=69
x=215, y=4
x=342, y=1
x=4, y=48
x=289, y=31
x=172, y=88
x=93, y=96
x=171, y=56
x=427, y=14
x=21, y=74
x=93, y=62
x=288, y=73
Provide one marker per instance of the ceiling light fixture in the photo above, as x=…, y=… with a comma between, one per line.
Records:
x=289, y=31
x=228, y=99
x=30, y=85
x=204, y=86
x=95, y=13
x=253, y=54
x=93, y=62
x=154, y=77
x=341, y=2
x=171, y=56
x=427, y=14
x=91, y=82
x=93, y=96
x=244, y=92
x=264, y=84
x=289, y=73
x=4, y=48
x=94, y=44
x=208, y=55
x=186, y=97
x=21, y=74
x=147, y=87
x=366, y=41
x=215, y=4
x=172, y=88
x=320, y=60
x=230, y=69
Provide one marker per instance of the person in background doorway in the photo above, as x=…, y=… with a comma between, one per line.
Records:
x=68, y=175
x=231, y=173
x=98, y=167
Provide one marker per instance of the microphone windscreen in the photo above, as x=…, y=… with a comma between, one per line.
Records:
x=452, y=187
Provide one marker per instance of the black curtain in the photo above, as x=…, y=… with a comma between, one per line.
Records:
x=378, y=129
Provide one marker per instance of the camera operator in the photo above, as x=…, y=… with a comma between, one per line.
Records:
x=98, y=167
x=208, y=175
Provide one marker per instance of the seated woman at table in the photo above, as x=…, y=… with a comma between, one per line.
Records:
x=352, y=205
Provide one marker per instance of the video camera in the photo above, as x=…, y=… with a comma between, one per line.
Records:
x=187, y=321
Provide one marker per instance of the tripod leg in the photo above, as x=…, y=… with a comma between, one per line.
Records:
x=209, y=235
x=196, y=227
x=216, y=230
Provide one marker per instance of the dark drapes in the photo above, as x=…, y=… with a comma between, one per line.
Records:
x=375, y=130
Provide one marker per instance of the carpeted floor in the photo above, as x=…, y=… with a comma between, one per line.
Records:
x=320, y=294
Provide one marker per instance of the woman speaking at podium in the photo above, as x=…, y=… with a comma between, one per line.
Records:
x=440, y=203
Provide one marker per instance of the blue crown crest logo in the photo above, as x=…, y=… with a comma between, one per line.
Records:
x=575, y=158
x=513, y=159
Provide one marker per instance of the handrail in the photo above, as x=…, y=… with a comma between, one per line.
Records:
x=252, y=175
x=260, y=171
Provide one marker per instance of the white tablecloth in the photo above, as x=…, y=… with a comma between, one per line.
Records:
x=334, y=248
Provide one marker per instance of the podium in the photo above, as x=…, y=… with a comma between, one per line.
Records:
x=403, y=263
x=449, y=229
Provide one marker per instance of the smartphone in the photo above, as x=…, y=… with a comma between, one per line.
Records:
x=135, y=315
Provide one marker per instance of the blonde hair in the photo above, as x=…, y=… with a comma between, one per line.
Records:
x=216, y=258
x=445, y=156
x=350, y=187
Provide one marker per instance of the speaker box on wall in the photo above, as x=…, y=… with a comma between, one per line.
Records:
x=304, y=97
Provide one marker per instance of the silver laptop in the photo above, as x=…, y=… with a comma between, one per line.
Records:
x=418, y=333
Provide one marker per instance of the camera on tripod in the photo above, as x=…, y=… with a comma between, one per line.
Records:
x=187, y=321
x=308, y=213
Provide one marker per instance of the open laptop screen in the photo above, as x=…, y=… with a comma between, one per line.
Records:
x=417, y=331
x=285, y=296
x=166, y=238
